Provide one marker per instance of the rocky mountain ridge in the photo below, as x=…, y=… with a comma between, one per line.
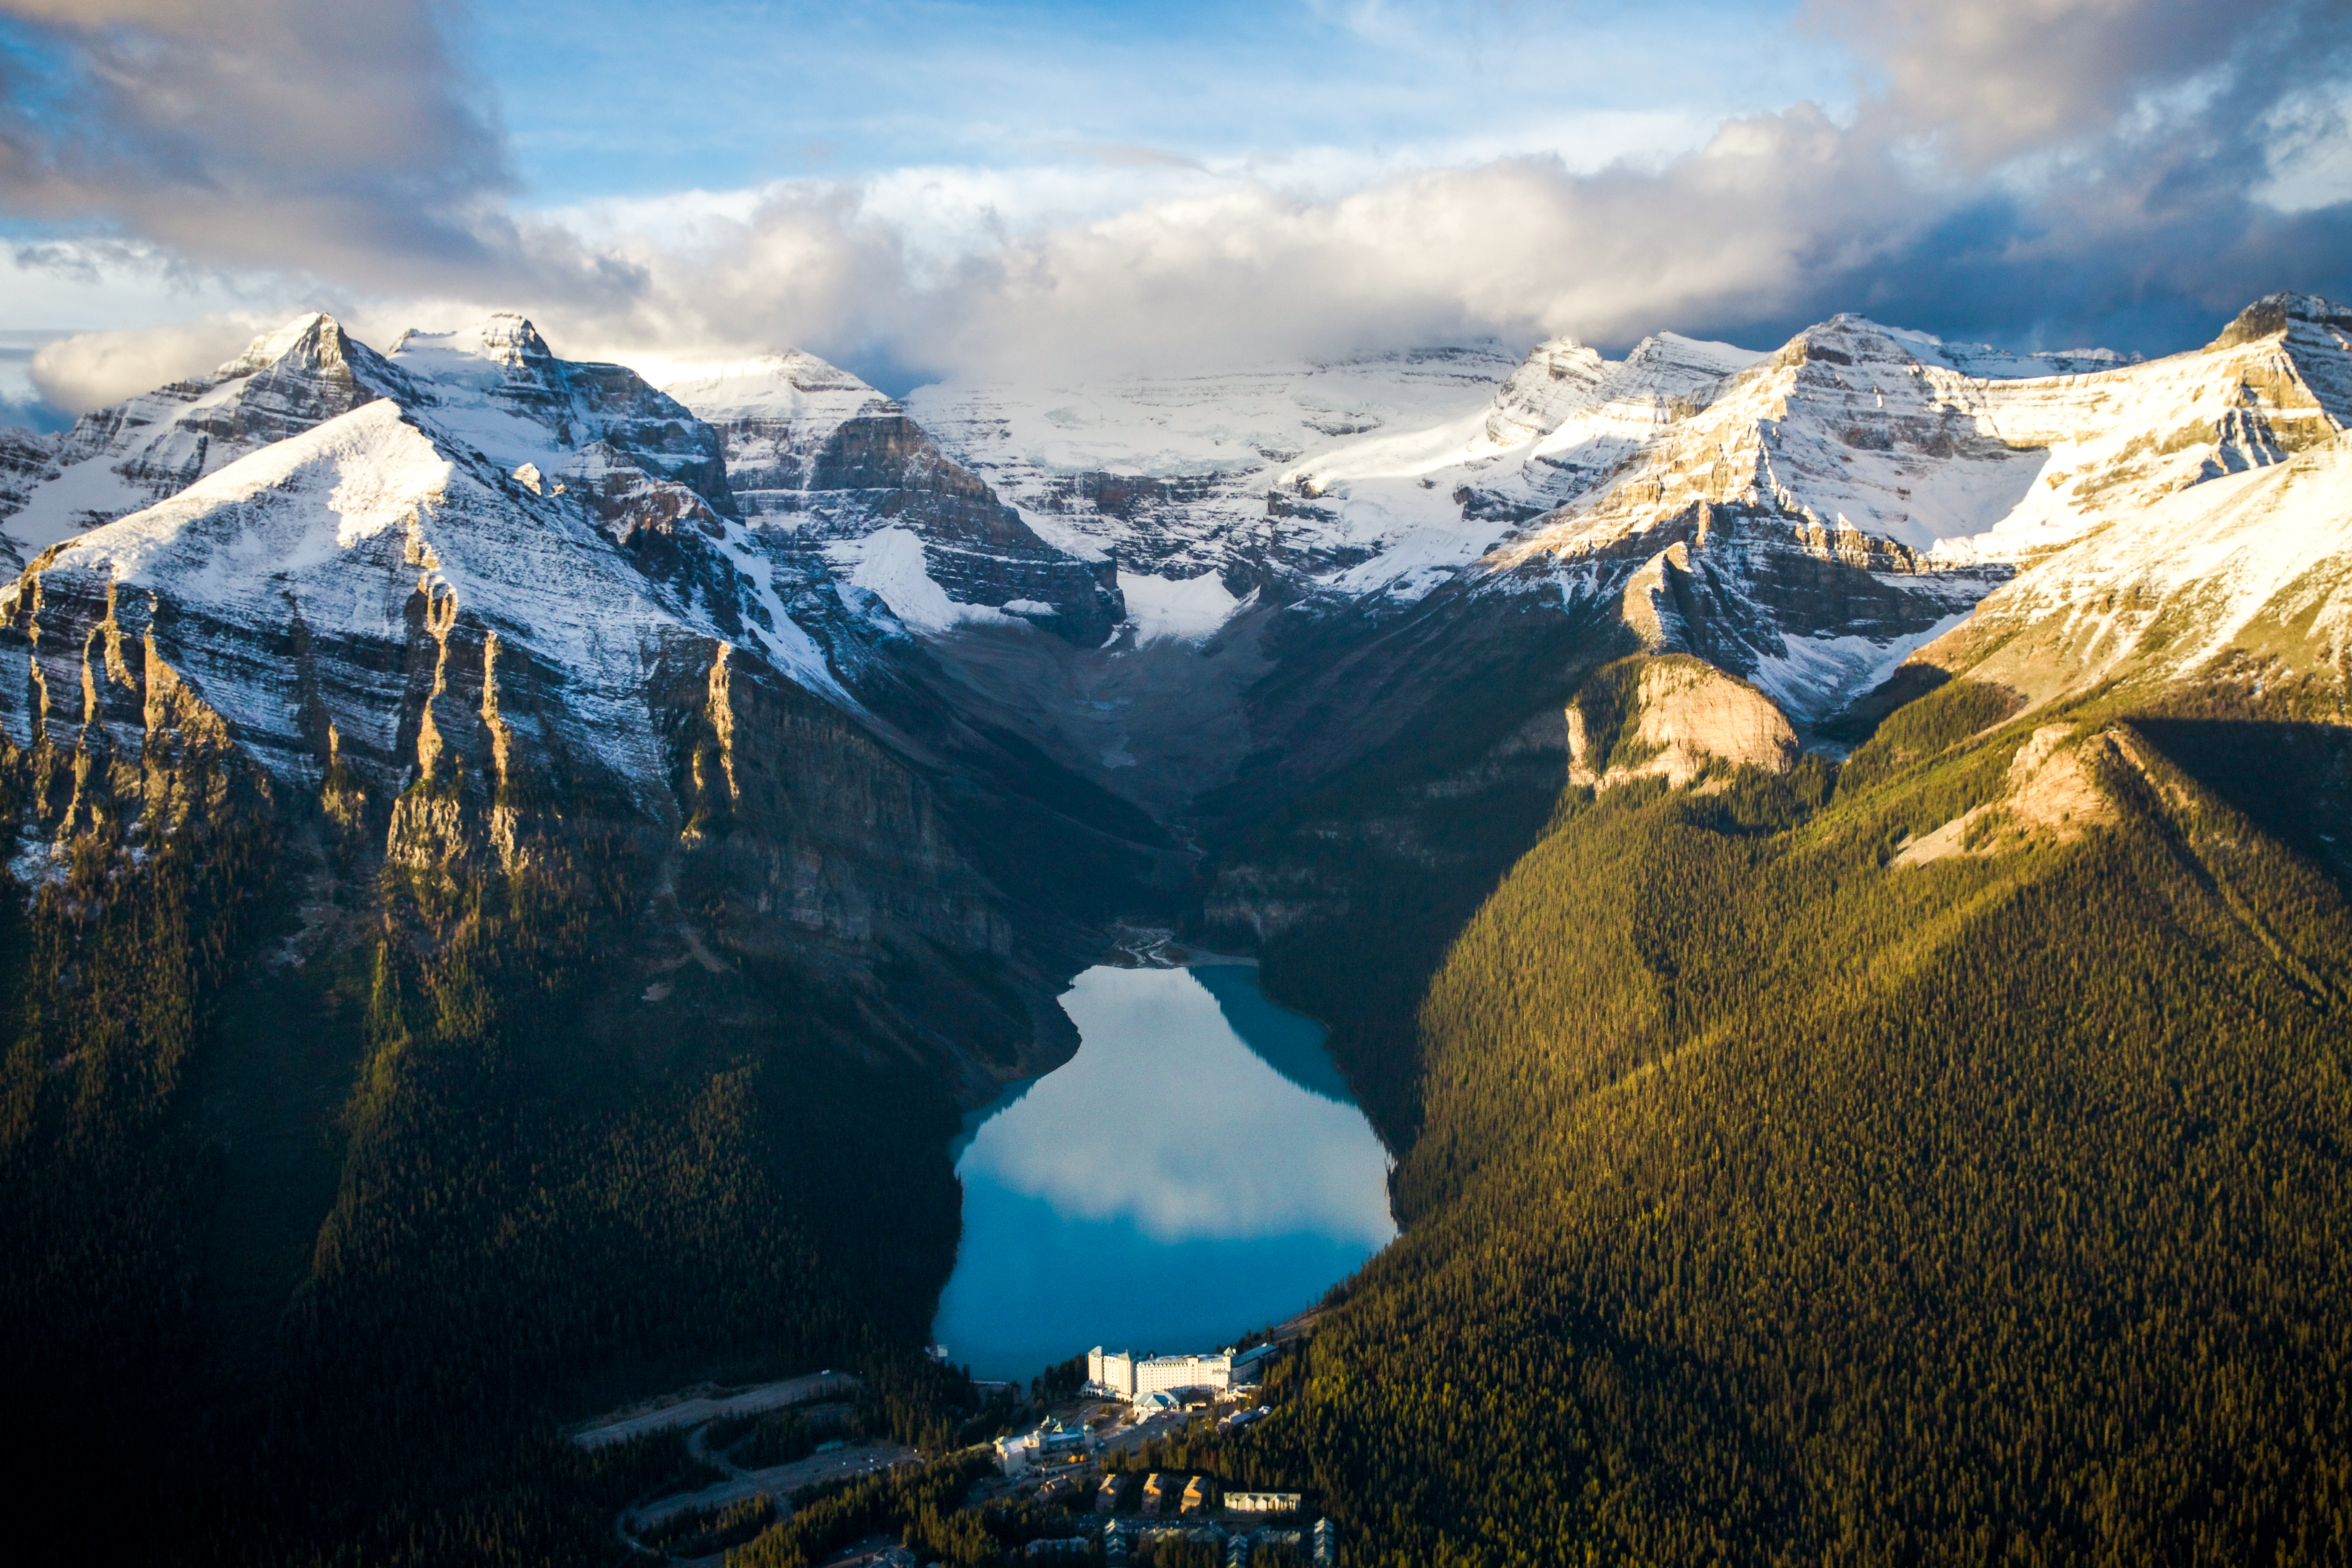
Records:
x=1302, y=558
x=1836, y=506
x=517, y=875
x=473, y=608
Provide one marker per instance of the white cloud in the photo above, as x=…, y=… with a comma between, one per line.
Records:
x=1117, y=1133
x=91, y=370
x=272, y=134
x=2066, y=157
x=2309, y=153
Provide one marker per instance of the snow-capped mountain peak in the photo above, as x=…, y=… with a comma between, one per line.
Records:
x=1870, y=468
x=303, y=332
x=501, y=347
x=116, y=460
x=600, y=429
x=1564, y=381
x=2316, y=333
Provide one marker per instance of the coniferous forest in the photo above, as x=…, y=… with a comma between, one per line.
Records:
x=1772, y=1202
x=1766, y=1198
x=324, y=1257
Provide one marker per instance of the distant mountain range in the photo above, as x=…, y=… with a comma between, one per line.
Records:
x=1804, y=518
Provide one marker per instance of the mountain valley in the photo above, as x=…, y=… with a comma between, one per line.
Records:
x=1826, y=867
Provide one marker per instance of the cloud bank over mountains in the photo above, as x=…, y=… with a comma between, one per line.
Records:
x=2039, y=172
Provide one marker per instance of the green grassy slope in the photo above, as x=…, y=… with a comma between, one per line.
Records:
x=1773, y=1205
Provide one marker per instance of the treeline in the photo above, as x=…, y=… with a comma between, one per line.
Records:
x=1773, y=1204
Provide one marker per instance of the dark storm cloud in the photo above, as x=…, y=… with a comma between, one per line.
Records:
x=2095, y=166
x=1996, y=78
x=336, y=137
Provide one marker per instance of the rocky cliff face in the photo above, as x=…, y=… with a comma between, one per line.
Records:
x=824, y=467
x=1686, y=717
x=28, y=461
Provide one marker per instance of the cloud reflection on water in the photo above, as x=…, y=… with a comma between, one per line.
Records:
x=1166, y=1119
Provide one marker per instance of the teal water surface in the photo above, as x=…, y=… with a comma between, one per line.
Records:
x=1197, y=1169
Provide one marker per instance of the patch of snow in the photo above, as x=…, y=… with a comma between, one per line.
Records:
x=889, y=564
x=793, y=386
x=87, y=491
x=1189, y=607
x=1168, y=474
x=37, y=862
x=1064, y=535
x=366, y=472
x=787, y=643
x=2273, y=544
x=1815, y=676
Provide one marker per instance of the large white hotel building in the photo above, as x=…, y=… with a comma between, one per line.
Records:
x=1121, y=1373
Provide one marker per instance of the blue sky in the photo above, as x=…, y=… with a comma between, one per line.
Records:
x=732, y=95
x=925, y=189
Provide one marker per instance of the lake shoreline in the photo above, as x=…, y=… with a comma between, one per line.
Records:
x=1196, y=1171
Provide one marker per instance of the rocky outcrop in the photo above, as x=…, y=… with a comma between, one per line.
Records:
x=2053, y=793
x=1686, y=716
x=2315, y=334
x=28, y=461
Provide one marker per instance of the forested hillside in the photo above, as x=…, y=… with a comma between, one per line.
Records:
x=346, y=1164
x=1776, y=1200
x=327, y=1256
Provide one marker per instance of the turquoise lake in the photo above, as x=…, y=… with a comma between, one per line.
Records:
x=1197, y=1169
